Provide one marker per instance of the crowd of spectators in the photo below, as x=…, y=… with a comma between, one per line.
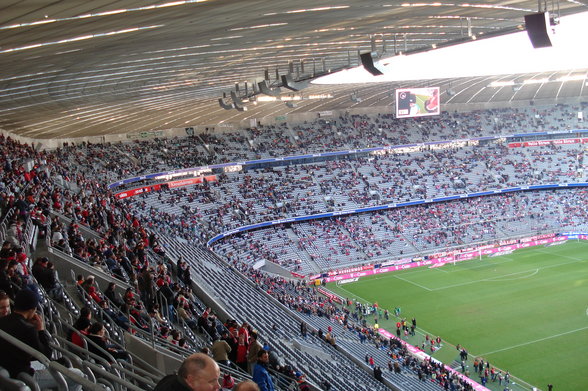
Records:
x=119, y=246
x=355, y=320
x=114, y=162
x=371, y=237
x=125, y=244
x=238, y=199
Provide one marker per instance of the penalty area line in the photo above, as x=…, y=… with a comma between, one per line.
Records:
x=415, y=284
x=532, y=342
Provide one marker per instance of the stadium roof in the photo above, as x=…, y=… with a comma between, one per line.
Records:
x=79, y=68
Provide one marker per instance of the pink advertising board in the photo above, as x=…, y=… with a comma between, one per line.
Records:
x=447, y=259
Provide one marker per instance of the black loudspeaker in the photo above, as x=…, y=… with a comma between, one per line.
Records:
x=368, y=63
x=290, y=84
x=224, y=105
x=539, y=29
x=265, y=89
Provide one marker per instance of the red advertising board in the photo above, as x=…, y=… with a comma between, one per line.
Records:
x=134, y=192
x=184, y=182
x=191, y=181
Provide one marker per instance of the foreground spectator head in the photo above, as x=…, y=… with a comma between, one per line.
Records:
x=263, y=356
x=4, y=304
x=246, y=385
x=26, y=302
x=200, y=372
x=197, y=373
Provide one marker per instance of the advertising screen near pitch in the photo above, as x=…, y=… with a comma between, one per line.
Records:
x=417, y=102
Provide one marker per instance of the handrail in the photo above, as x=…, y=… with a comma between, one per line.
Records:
x=161, y=343
x=29, y=381
x=149, y=337
x=97, y=369
x=94, y=356
x=51, y=365
x=87, y=268
x=8, y=384
x=142, y=372
x=116, y=365
x=83, y=227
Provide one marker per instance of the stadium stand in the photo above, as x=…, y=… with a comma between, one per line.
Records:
x=151, y=291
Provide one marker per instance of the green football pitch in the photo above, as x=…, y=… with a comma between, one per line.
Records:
x=525, y=312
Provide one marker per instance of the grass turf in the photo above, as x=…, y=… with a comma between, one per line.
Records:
x=526, y=312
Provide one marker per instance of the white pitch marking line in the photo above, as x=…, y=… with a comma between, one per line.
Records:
x=486, y=279
x=532, y=342
x=414, y=283
x=488, y=265
x=441, y=269
x=559, y=255
x=514, y=279
x=506, y=275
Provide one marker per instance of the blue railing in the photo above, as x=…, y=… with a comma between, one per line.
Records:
x=393, y=206
x=331, y=154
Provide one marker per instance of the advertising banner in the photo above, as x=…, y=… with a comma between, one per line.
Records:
x=447, y=259
x=184, y=182
x=133, y=192
x=540, y=143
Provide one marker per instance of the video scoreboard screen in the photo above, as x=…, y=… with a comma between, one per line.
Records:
x=417, y=102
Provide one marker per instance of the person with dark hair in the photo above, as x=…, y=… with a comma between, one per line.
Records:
x=44, y=272
x=261, y=375
x=303, y=329
x=220, y=351
x=197, y=373
x=14, y=276
x=4, y=304
x=27, y=325
x=110, y=293
x=5, y=282
x=378, y=374
x=97, y=334
x=254, y=348
x=147, y=286
x=85, y=312
x=82, y=325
